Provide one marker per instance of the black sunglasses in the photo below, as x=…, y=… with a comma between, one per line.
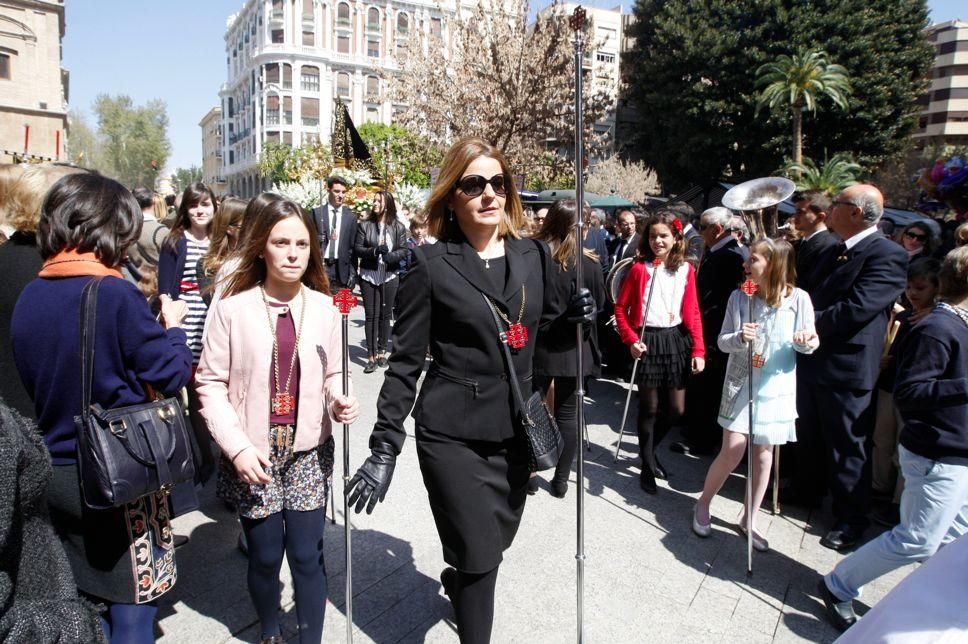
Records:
x=915, y=236
x=473, y=185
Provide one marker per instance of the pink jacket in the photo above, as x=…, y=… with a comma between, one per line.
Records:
x=236, y=364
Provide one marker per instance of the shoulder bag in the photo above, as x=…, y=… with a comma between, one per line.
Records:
x=540, y=429
x=125, y=453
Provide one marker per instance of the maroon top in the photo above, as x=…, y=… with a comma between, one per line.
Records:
x=286, y=337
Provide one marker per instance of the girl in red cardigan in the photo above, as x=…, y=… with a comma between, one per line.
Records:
x=669, y=338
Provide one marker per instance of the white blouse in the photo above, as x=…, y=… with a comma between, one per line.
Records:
x=667, y=288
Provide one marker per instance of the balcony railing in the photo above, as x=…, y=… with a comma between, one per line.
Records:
x=310, y=122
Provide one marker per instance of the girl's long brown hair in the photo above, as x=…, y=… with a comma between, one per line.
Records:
x=455, y=162
x=191, y=197
x=229, y=212
x=558, y=231
x=783, y=269
x=676, y=254
x=261, y=216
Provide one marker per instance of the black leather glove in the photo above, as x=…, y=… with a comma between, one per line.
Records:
x=382, y=249
x=581, y=307
x=371, y=481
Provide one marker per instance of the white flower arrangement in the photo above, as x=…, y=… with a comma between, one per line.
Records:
x=305, y=193
x=410, y=196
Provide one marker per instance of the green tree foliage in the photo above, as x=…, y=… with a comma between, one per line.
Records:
x=83, y=147
x=183, y=177
x=134, y=139
x=410, y=157
x=797, y=82
x=692, y=75
x=836, y=173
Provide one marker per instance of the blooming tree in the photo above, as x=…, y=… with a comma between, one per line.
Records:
x=630, y=179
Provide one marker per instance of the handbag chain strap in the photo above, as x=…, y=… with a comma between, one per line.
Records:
x=512, y=375
x=88, y=331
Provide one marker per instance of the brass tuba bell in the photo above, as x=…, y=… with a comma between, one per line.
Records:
x=755, y=197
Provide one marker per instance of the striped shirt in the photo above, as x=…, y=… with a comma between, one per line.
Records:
x=194, y=322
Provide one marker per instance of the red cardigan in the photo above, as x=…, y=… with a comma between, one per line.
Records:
x=629, y=308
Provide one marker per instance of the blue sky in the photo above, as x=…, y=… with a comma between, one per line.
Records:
x=174, y=50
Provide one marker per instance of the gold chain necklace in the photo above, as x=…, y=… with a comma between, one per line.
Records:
x=283, y=402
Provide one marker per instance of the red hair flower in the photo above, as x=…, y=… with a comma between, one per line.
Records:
x=677, y=225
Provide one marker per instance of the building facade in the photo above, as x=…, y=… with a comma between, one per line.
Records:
x=211, y=125
x=33, y=86
x=944, y=115
x=289, y=60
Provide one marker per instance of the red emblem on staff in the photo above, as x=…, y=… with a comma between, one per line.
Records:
x=344, y=301
x=517, y=335
x=758, y=361
x=749, y=287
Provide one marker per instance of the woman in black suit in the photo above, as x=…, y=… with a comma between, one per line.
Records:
x=472, y=456
x=555, y=358
x=380, y=245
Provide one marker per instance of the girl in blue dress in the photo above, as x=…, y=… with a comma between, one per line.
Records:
x=784, y=324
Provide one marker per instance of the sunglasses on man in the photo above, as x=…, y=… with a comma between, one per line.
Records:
x=916, y=236
x=473, y=185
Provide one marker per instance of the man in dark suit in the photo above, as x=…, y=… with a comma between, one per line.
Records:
x=336, y=228
x=615, y=354
x=694, y=241
x=720, y=273
x=809, y=219
x=858, y=284
x=627, y=240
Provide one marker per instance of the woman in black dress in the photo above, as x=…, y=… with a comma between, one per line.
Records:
x=472, y=456
x=555, y=358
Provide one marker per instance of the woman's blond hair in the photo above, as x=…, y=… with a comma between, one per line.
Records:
x=10, y=174
x=440, y=221
x=26, y=195
x=783, y=269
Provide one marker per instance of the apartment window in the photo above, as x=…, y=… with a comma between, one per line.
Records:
x=403, y=24
x=343, y=85
x=372, y=115
x=343, y=15
x=5, y=59
x=952, y=47
x=277, y=36
x=307, y=13
x=950, y=93
x=372, y=87
x=373, y=48
x=309, y=80
x=286, y=76
x=401, y=52
x=308, y=38
x=436, y=27
x=951, y=70
x=272, y=110
x=373, y=20
x=602, y=57
x=272, y=73
x=343, y=44
x=287, y=110
x=309, y=112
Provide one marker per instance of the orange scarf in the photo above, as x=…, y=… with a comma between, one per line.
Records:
x=70, y=263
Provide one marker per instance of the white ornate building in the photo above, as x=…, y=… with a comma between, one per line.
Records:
x=287, y=60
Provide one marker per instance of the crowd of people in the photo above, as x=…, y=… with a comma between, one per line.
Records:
x=858, y=369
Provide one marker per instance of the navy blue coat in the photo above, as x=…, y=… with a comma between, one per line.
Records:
x=852, y=298
x=131, y=349
x=171, y=266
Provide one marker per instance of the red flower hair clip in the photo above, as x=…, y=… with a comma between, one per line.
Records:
x=677, y=225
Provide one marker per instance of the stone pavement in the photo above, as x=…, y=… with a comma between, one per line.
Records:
x=647, y=577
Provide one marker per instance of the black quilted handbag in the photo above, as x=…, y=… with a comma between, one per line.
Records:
x=129, y=452
x=544, y=440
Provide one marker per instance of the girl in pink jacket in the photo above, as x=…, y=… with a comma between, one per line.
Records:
x=269, y=382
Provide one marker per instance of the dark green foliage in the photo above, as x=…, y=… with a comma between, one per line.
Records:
x=692, y=75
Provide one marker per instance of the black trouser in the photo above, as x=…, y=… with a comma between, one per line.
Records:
x=704, y=393
x=566, y=415
x=298, y=536
x=845, y=419
x=473, y=601
x=378, y=307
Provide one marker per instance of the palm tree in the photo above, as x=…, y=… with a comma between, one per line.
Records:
x=836, y=173
x=798, y=81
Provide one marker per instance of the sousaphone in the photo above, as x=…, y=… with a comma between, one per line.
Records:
x=757, y=200
x=617, y=275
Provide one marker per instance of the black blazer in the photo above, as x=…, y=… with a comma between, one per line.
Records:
x=554, y=354
x=368, y=238
x=852, y=301
x=629, y=251
x=595, y=241
x=811, y=257
x=465, y=394
x=719, y=274
x=347, y=235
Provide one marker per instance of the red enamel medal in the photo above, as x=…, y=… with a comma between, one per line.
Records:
x=517, y=335
x=283, y=404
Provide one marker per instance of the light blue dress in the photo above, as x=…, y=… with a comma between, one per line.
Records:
x=775, y=381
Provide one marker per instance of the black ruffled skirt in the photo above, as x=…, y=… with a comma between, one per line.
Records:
x=667, y=360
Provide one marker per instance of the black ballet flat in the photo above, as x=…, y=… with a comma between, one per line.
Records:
x=658, y=471
x=647, y=482
x=448, y=579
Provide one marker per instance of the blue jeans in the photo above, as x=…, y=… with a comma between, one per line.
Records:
x=934, y=511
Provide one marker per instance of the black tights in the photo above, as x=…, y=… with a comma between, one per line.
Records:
x=650, y=436
x=566, y=415
x=378, y=307
x=298, y=535
x=473, y=600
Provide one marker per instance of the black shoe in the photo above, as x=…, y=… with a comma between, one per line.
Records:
x=383, y=363
x=658, y=470
x=841, y=539
x=647, y=482
x=887, y=516
x=370, y=366
x=684, y=448
x=448, y=579
x=179, y=540
x=559, y=489
x=532, y=485
x=841, y=614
